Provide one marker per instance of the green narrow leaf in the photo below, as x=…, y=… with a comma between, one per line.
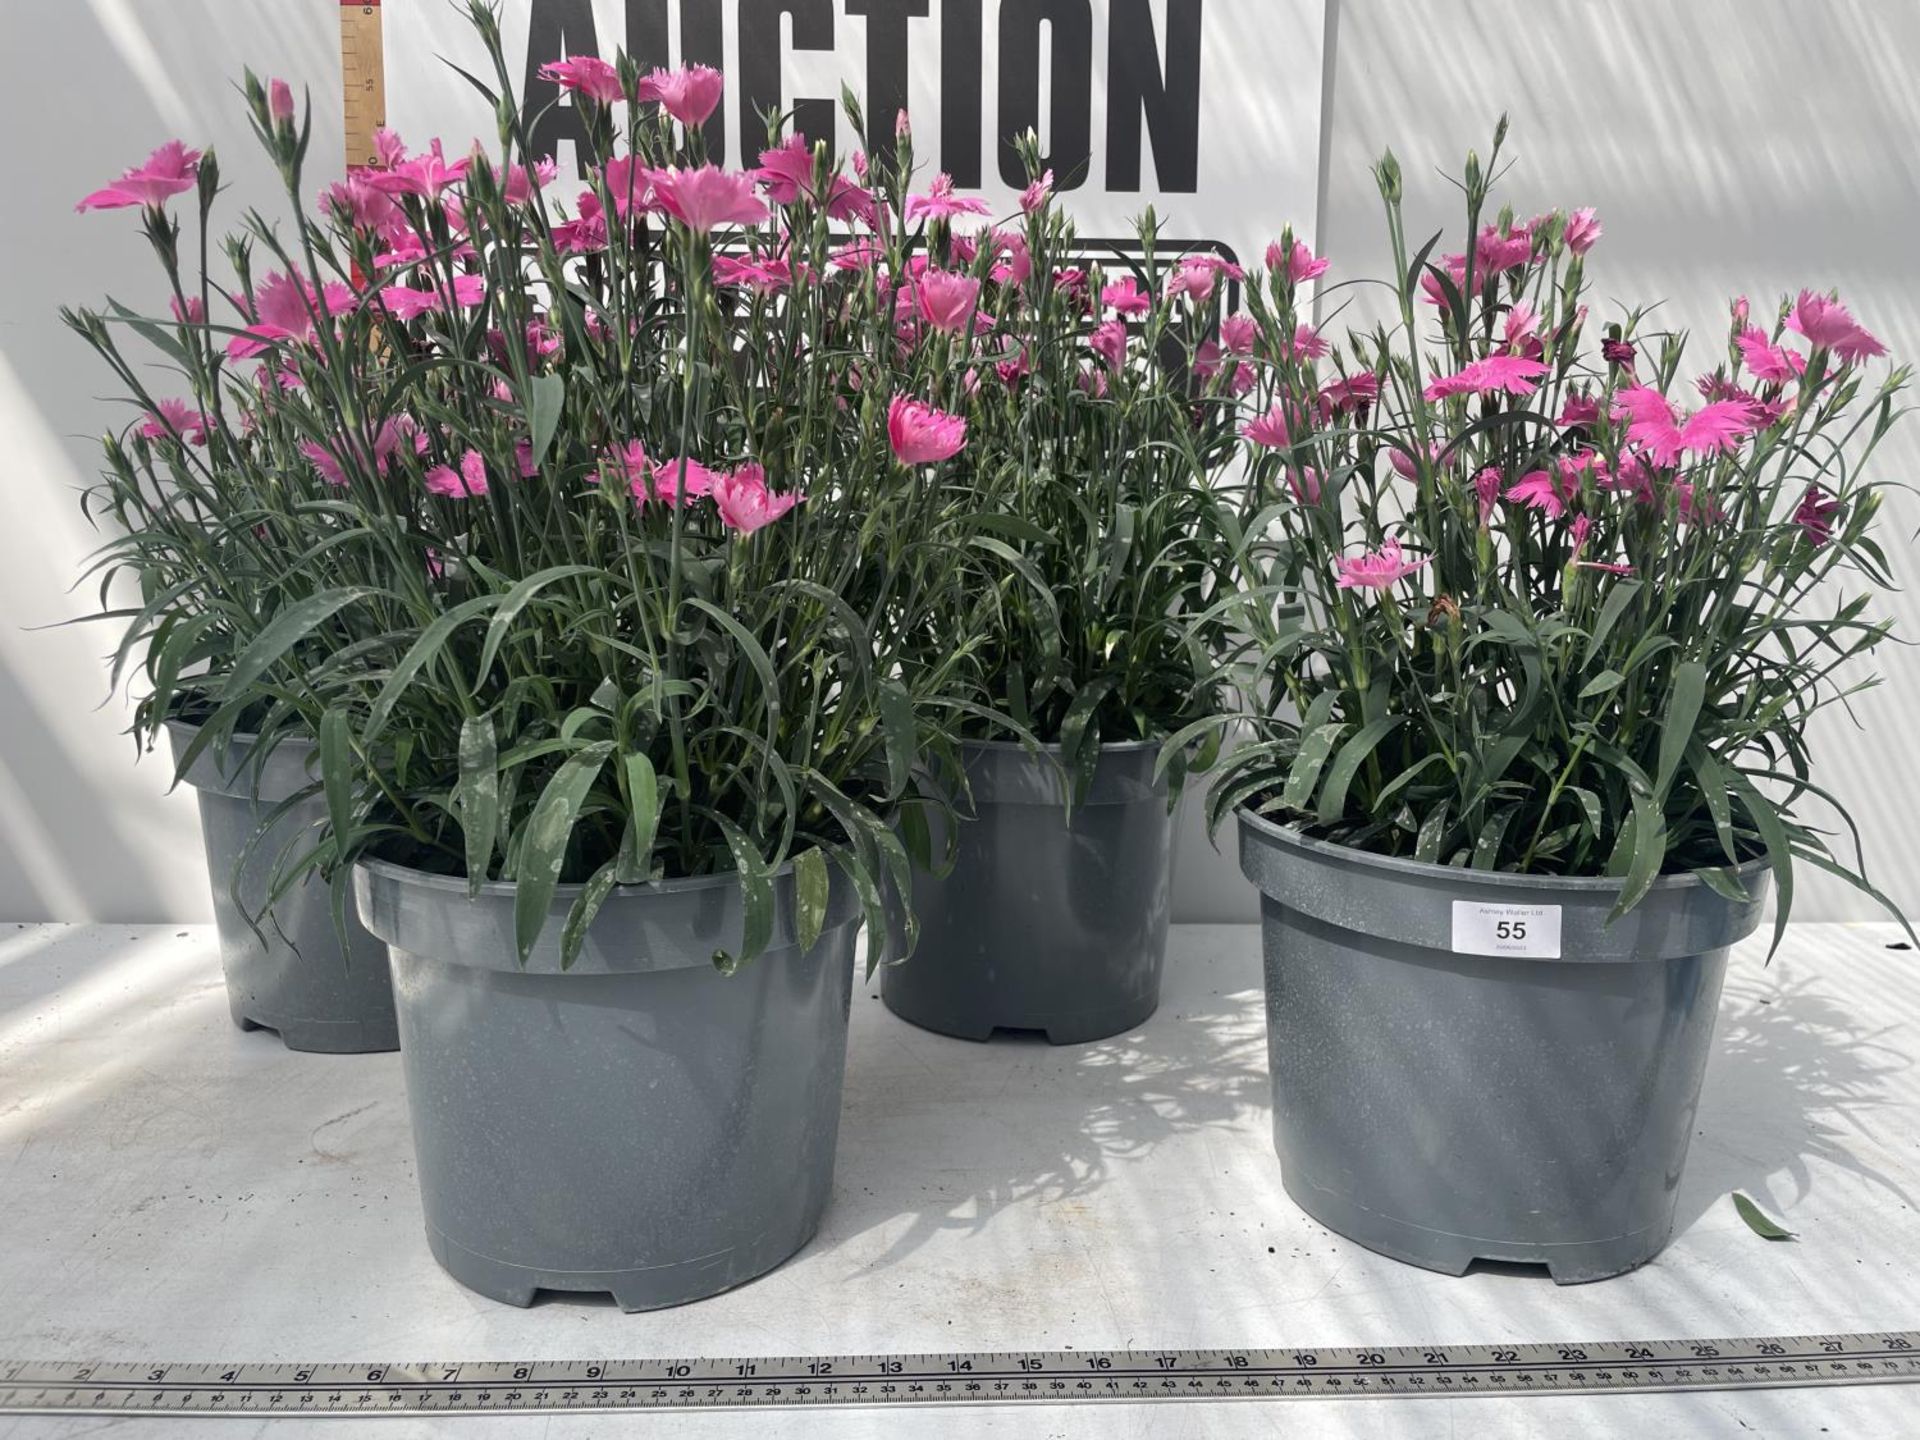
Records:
x=899, y=866
x=1211, y=727
x=1606, y=680
x=478, y=797
x=1177, y=782
x=1859, y=882
x=336, y=777
x=1119, y=549
x=1013, y=527
x=1420, y=259
x=643, y=801
x=286, y=630
x=1077, y=728
x=1085, y=762
x=1648, y=647
x=547, y=398
x=1017, y=705
x=752, y=649
x=1643, y=846
x=1611, y=609
x=578, y=719
x=916, y=834
x=1457, y=308
x=509, y=788
x=543, y=846
x=339, y=904
x=1757, y=1220
x=1319, y=710
x=1773, y=834
x=1405, y=778
x=1684, y=699
x=514, y=602
x=902, y=736
x=1725, y=883
x=1504, y=751
x=218, y=726
x=810, y=885
x=756, y=894
x=172, y=659
x=858, y=639
x=1714, y=788
x=1510, y=628
x=1486, y=849
x=152, y=333
x=1333, y=791
x=1042, y=591
x=419, y=655
x=874, y=842
x=573, y=934
x=1433, y=830
x=1230, y=793
x=873, y=907
x=1304, y=774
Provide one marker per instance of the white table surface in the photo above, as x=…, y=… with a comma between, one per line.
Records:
x=171, y=1188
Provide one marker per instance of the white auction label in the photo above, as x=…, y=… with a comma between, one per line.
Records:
x=1526, y=932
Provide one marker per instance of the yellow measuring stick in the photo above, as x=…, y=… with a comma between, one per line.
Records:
x=363, y=65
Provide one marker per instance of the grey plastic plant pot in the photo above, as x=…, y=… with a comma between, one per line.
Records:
x=290, y=976
x=1044, y=924
x=639, y=1124
x=1444, y=1108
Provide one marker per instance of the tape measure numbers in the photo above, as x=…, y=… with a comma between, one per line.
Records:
x=1038, y=1377
x=363, y=69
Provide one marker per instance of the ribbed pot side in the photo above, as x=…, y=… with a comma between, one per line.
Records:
x=1444, y=1107
x=1044, y=923
x=639, y=1124
x=291, y=975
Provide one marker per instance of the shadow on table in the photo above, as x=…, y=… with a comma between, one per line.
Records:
x=1794, y=1078
x=77, y=980
x=948, y=1133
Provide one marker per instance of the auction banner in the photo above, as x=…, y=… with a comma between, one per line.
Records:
x=1208, y=110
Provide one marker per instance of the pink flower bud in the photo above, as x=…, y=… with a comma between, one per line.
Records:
x=1583, y=229
x=280, y=102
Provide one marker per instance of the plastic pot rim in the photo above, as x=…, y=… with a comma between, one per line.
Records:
x=248, y=779
x=1495, y=879
x=1117, y=747
x=506, y=889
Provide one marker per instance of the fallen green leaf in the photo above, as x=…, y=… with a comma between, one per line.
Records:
x=1758, y=1222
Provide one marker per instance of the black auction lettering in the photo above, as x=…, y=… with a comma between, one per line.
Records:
x=887, y=42
x=962, y=83
x=647, y=39
x=760, y=89
x=556, y=30
x=1166, y=101
x=1069, y=129
x=703, y=41
x=1152, y=81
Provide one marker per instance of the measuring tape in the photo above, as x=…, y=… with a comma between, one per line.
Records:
x=1011, y=1377
x=363, y=69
